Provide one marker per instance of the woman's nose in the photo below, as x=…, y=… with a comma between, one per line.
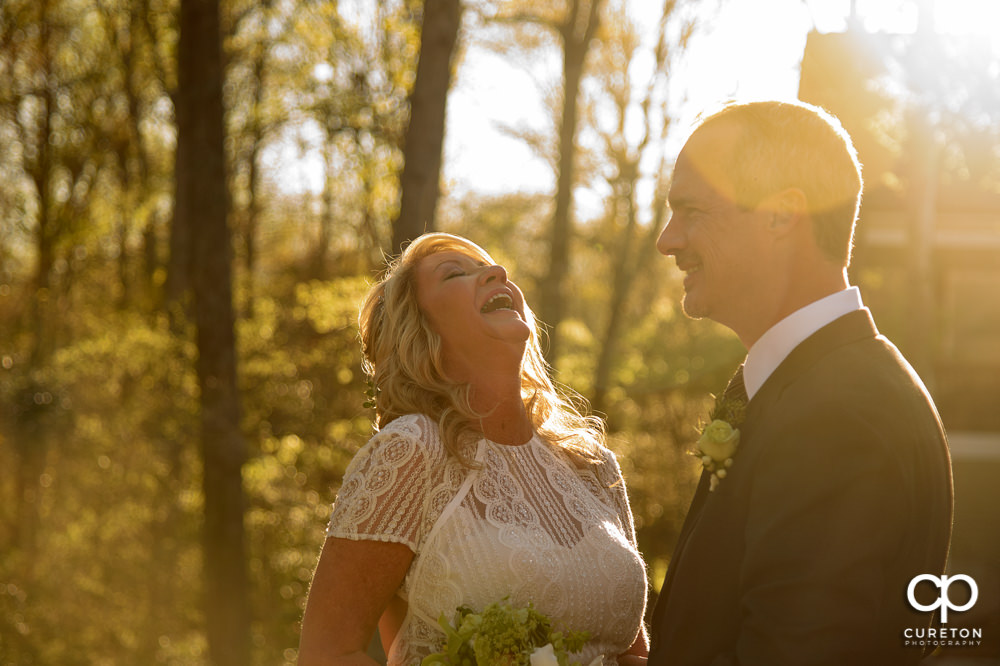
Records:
x=490, y=273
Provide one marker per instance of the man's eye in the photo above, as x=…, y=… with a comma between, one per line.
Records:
x=691, y=214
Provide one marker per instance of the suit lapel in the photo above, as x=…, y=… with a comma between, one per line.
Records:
x=850, y=328
x=694, y=513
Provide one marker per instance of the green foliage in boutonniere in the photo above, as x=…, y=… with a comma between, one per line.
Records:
x=720, y=438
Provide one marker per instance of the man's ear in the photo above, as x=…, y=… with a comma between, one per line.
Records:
x=787, y=209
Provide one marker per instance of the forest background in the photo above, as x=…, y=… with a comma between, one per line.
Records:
x=180, y=377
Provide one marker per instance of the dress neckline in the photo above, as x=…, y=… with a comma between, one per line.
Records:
x=523, y=445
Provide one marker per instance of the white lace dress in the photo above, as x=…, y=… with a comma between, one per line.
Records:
x=527, y=525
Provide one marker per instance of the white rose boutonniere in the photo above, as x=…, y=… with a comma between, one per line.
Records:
x=720, y=439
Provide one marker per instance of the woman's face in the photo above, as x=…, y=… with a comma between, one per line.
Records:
x=476, y=311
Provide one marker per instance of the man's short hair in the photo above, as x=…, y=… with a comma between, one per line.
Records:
x=792, y=144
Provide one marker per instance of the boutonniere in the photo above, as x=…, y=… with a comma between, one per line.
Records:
x=720, y=438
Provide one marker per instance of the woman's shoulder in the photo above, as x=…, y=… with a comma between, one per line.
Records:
x=408, y=445
x=410, y=425
x=607, y=462
x=413, y=431
x=598, y=459
x=605, y=455
x=603, y=464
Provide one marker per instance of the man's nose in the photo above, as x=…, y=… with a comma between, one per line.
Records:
x=670, y=240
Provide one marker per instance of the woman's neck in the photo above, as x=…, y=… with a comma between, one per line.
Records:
x=505, y=419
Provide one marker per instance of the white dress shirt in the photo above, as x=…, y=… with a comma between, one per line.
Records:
x=778, y=342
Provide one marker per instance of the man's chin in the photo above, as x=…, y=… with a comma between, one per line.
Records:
x=693, y=308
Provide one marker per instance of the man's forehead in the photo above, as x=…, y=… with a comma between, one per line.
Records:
x=706, y=162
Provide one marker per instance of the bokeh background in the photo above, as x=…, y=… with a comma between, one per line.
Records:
x=195, y=194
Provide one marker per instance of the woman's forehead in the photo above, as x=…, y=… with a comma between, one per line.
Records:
x=434, y=262
x=458, y=251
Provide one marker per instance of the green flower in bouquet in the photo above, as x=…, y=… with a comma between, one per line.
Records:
x=502, y=635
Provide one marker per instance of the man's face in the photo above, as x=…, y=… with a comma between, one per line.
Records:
x=721, y=248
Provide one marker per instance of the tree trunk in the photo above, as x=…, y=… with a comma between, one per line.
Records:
x=420, y=182
x=619, y=293
x=202, y=204
x=328, y=216
x=575, y=46
x=125, y=293
x=31, y=440
x=254, y=207
x=41, y=175
x=180, y=263
x=133, y=160
x=250, y=232
x=630, y=261
x=151, y=262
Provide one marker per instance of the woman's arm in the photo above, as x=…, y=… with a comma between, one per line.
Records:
x=353, y=584
x=636, y=655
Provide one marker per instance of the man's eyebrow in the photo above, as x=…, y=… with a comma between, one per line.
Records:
x=682, y=200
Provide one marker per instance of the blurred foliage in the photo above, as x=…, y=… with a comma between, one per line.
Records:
x=923, y=110
x=100, y=499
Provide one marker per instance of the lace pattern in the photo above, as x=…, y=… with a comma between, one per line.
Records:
x=528, y=525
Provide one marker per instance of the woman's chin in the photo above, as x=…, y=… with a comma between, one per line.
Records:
x=510, y=326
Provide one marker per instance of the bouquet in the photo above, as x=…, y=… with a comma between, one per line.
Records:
x=502, y=635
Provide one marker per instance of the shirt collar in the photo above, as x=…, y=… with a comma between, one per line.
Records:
x=778, y=342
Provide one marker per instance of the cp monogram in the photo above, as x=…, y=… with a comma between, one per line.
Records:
x=942, y=583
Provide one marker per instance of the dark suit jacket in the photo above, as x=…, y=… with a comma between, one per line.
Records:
x=840, y=493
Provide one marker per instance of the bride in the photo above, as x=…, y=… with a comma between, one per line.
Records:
x=482, y=483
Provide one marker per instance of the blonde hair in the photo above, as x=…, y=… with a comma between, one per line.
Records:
x=794, y=144
x=403, y=359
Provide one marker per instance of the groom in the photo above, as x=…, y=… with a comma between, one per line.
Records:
x=839, y=492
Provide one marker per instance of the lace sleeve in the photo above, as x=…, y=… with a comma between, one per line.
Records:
x=387, y=486
x=610, y=476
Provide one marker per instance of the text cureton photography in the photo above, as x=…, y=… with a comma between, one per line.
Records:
x=942, y=636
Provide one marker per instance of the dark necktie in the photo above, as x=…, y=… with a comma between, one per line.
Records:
x=736, y=389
